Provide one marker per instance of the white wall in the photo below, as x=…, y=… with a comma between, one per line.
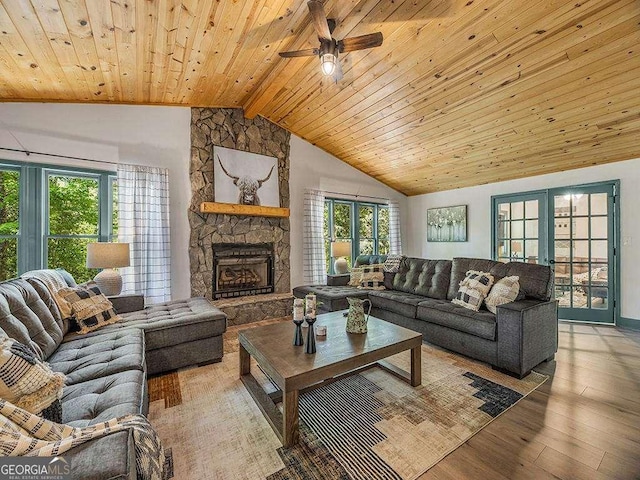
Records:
x=146, y=135
x=478, y=201
x=312, y=167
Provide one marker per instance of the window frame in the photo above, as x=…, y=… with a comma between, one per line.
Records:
x=354, y=205
x=33, y=222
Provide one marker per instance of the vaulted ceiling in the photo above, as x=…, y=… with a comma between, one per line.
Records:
x=461, y=92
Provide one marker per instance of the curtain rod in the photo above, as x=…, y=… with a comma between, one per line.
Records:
x=29, y=152
x=355, y=195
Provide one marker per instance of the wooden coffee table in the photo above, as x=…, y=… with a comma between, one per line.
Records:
x=337, y=356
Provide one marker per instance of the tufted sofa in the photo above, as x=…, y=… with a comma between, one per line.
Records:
x=106, y=371
x=518, y=337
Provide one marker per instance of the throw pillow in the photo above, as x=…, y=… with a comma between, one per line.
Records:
x=355, y=276
x=25, y=381
x=90, y=308
x=372, y=277
x=392, y=264
x=473, y=289
x=505, y=290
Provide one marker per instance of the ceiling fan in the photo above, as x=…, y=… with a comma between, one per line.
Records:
x=329, y=47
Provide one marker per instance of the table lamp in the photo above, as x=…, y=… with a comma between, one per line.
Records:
x=339, y=250
x=108, y=256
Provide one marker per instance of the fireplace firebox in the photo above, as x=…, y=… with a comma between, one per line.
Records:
x=242, y=269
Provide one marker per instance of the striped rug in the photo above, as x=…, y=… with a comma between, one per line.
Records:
x=367, y=426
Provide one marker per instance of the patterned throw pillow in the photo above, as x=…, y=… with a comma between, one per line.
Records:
x=25, y=381
x=90, y=308
x=372, y=277
x=473, y=289
x=355, y=276
x=505, y=290
x=392, y=264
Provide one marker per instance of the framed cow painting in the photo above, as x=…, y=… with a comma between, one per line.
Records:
x=245, y=178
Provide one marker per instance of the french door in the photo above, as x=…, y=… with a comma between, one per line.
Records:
x=573, y=229
x=582, y=251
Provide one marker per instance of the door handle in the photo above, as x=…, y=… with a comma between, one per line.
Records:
x=552, y=261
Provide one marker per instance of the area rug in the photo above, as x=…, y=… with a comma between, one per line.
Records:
x=367, y=426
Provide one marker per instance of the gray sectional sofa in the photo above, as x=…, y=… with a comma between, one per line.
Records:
x=106, y=371
x=518, y=337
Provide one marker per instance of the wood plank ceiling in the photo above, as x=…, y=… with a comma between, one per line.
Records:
x=462, y=92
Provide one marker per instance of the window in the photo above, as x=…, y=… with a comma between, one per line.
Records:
x=48, y=215
x=365, y=225
x=9, y=221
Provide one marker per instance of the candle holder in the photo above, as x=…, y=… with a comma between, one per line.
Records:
x=297, y=338
x=298, y=318
x=311, y=338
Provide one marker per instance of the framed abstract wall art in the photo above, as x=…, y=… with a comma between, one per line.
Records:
x=447, y=224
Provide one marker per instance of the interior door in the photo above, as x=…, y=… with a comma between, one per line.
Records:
x=581, y=251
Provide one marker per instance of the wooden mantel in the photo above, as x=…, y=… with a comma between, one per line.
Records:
x=237, y=209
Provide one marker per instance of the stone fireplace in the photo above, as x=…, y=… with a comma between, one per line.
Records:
x=242, y=269
x=215, y=237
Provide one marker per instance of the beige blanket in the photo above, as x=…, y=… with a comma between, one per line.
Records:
x=54, y=281
x=25, y=434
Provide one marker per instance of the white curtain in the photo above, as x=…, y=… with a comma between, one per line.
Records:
x=143, y=222
x=314, y=260
x=395, y=240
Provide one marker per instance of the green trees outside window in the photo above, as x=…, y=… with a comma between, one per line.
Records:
x=9, y=222
x=365, y=225
x=48, y=216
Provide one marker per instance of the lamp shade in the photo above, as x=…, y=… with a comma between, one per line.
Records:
x=108, y=255
x=340, y=249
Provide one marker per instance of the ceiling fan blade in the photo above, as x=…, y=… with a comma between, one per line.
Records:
x=309, y=52
x=316, y=9
x=360, y=43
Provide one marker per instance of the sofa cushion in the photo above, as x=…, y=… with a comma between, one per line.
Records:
x=473, y=290
x=536, y=281
x=90, y=308
x=429, y=278
x=26, y=318
x=86, y=358
x=441, y=312
x=372, y=277
x=505, y=290
x=401, y=303
x=172, y=323
x=333, y=298
x=104, y=398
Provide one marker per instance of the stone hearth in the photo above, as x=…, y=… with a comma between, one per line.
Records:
x=227, y=127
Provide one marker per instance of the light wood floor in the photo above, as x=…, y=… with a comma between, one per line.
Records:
x=583, y=423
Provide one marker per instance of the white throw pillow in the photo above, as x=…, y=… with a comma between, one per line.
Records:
x=505, y=290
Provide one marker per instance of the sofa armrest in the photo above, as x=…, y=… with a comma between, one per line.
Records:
x=127, y=303
x=338, y=280
x=527, y=334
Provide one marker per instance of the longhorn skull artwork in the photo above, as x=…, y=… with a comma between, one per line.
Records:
x=247, y=186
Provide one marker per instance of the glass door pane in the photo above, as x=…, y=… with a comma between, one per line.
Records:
x=581, y=252
x=518, y=232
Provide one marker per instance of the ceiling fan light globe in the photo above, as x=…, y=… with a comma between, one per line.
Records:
x=328, y=63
